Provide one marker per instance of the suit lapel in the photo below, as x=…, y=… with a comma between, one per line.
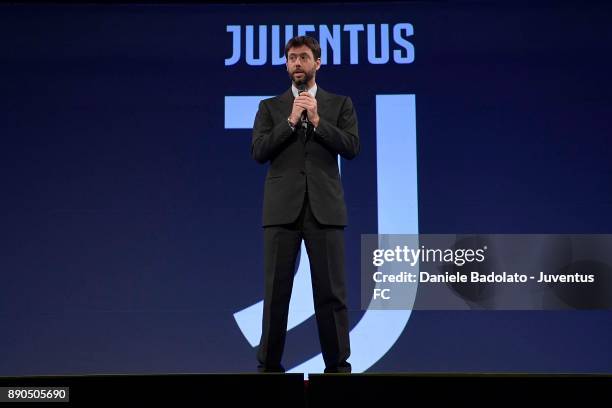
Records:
x=287, y=102
x=321, y=98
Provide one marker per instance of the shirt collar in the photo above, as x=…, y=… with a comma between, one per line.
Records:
x=312, y=91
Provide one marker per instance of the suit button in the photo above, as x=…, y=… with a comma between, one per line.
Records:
x=302, y=172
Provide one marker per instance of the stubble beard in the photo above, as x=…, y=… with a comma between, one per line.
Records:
x=304, y=80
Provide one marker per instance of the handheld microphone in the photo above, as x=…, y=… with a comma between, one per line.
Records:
x=302, y=88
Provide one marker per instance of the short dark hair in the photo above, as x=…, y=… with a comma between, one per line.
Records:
x=300, y=40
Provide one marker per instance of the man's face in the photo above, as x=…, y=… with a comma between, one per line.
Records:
x=301, y=65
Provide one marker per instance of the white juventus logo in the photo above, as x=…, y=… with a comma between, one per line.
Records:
x=374, y=335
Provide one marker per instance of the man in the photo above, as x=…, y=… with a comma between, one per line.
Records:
x=301, y=135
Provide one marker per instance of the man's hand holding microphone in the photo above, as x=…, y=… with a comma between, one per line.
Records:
x=304, y=109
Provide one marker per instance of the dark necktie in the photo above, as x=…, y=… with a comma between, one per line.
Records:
x=303, y=130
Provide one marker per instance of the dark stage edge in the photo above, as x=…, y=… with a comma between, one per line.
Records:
x=481, y=390
x=173, y=390
x=326, y=390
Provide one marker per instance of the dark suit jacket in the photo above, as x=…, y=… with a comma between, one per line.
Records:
x=299, y=159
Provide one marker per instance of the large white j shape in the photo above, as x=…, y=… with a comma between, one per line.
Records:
x=378, y=330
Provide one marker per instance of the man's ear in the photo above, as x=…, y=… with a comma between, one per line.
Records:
x=318, y=63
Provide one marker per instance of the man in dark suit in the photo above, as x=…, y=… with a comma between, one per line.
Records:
x=301, y=135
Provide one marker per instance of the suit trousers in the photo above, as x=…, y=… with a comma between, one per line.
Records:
x=325, y=248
